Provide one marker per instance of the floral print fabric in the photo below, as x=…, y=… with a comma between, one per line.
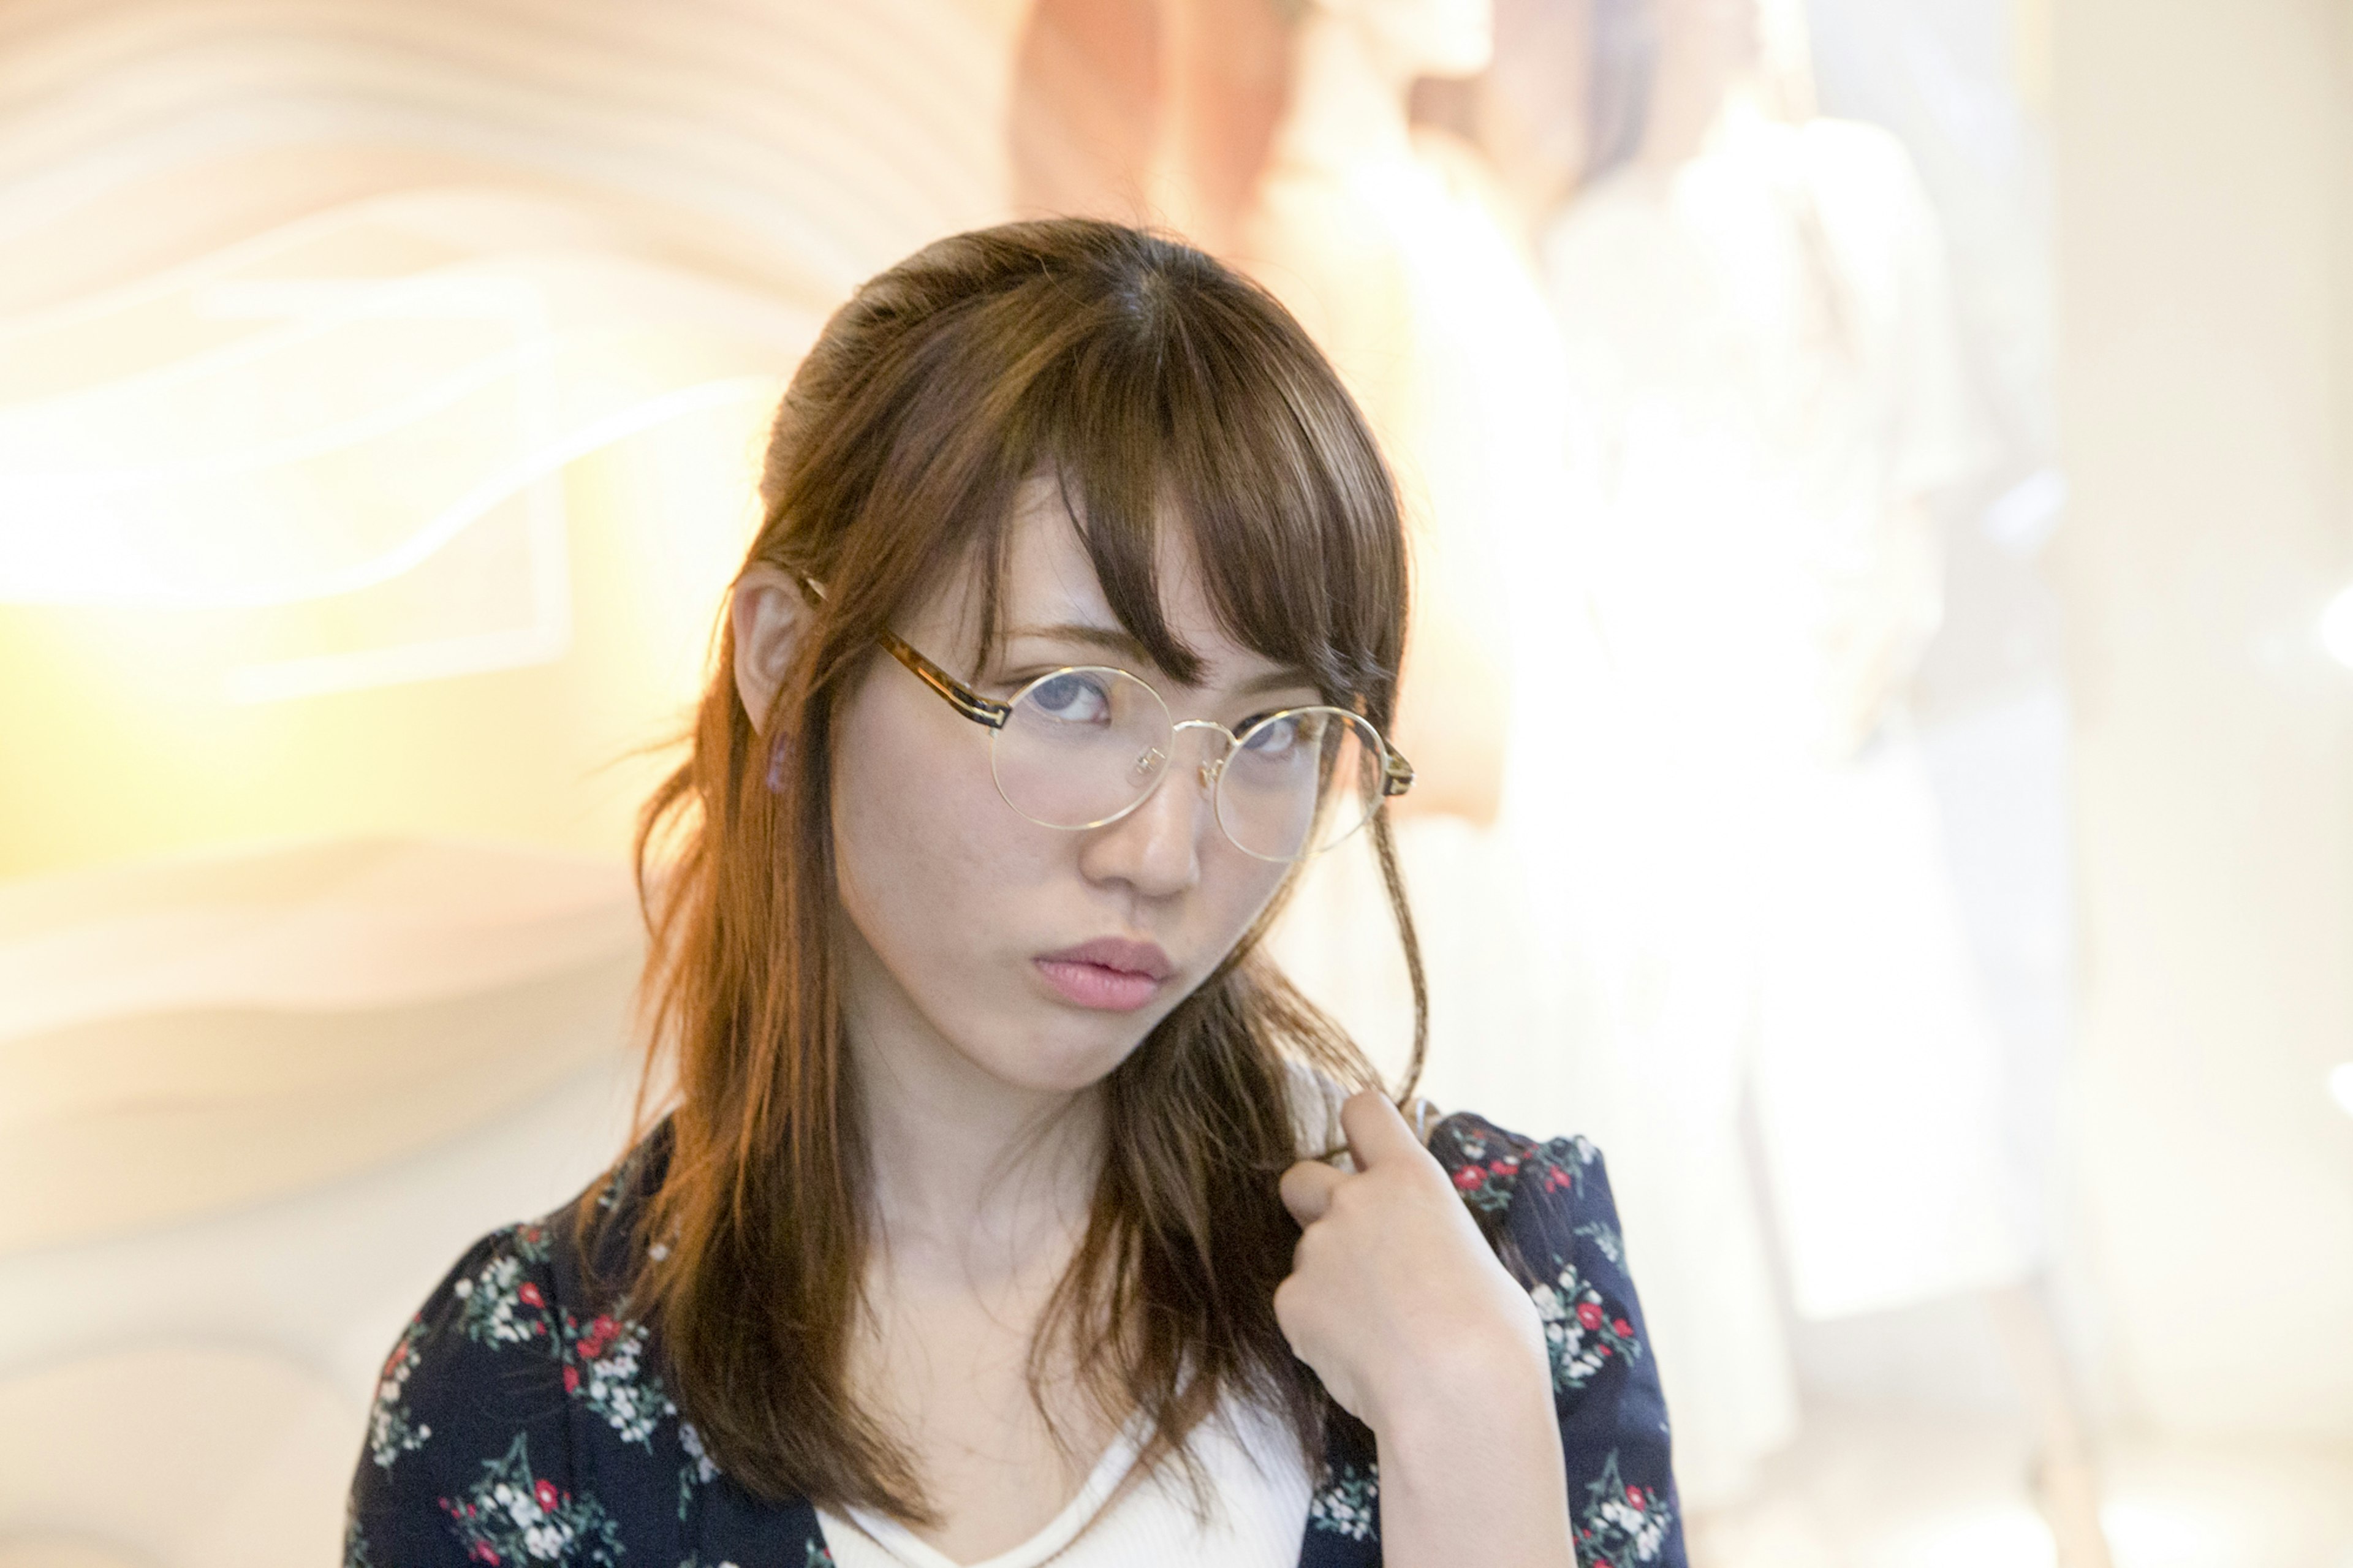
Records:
x=519, y=1421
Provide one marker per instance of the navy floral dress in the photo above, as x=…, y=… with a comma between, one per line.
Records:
x=518, y=1424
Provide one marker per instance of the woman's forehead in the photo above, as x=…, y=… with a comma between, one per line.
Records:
x=1047, y=590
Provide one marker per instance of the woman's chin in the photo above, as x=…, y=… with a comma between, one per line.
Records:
x=1050, y=1059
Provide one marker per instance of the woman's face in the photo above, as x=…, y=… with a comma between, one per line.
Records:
x=968, y=926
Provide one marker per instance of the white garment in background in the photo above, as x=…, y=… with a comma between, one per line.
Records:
x=1479, y=460
x=1255, y=1482
x=1764, y=370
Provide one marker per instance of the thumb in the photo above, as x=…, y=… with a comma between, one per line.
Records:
x=1377, y=1135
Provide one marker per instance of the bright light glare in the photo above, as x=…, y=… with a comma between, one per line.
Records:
x=2337, y=627
x=2011, y=1536
x=2340, y=1087
x=2172, y=1533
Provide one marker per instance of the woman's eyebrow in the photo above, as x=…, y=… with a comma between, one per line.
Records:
x=1278, y=681
x=1109, y=639
x=1114, y=640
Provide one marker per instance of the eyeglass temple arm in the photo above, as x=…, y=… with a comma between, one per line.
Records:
x=1397, y=775
x=958, y=696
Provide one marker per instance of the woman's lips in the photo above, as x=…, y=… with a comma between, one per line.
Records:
x=1111, y=974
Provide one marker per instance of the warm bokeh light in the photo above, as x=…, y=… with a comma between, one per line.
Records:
x=2337, y=627
x=2340, y=1086
x=1882, y=771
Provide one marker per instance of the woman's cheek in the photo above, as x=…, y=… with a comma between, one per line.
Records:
x=1247, y=886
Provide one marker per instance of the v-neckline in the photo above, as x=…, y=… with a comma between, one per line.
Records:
x=1049, y=1542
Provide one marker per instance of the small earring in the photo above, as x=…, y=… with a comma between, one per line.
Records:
x=777, y=754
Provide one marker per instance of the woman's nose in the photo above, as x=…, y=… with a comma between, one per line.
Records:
x=1156, y=848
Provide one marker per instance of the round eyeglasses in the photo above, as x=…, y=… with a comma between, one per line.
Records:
x=1084, y=745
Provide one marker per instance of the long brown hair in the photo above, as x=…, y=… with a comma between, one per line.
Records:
x=1152, y=381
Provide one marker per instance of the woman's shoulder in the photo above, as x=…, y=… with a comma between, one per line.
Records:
x=1545, y=1204
x=1548, y=1208
x=522, y=1405
x=530, y=1284
x=550, y=1292
x=1493, y=1166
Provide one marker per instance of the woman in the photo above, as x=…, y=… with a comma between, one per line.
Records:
x=987, y=1223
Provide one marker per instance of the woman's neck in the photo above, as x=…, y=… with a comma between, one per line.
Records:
x=1347, y=104
x=959, y=1157
x=963, y=1168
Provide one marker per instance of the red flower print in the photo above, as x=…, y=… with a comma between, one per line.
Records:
x=1634, y=1498
x=1621, y=1326
x=530, y=1293
x=545, y=1492
x=1589, y=1314
x=1504, y=1167
x=571, y=1379
x=1469, y=1177
x=600, y=1334
x=481, y=1553
x=1555, y=1178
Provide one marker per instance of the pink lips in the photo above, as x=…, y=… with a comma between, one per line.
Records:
x=1110, y=973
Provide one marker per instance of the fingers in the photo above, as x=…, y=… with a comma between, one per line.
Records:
x=1377, y=1135
x=1307, y=1189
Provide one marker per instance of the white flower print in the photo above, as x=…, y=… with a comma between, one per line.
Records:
x=698, y=1456
x=511, y=1517
x=698, y=1470
x=501, y=1306
x=1620, y=1524
x=1579, y=1330
x=1348, y=1503
x=1605, y=1239
x=391, y=1430
x=606, y=1371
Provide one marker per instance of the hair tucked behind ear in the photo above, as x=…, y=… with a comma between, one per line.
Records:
x=1153, y=382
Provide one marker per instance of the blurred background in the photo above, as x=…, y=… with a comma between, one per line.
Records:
x=1884, y=677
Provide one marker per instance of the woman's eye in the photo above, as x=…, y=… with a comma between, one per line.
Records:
x=1071, y=697
x=1275, y=737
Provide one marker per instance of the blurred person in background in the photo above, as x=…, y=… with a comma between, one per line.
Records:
x=1767, y=397
x=987, y=1219
x=1384, y=237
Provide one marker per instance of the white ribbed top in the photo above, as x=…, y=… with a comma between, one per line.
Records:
x=1258, y=1490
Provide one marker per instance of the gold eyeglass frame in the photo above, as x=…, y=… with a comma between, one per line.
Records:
x=1397, y=774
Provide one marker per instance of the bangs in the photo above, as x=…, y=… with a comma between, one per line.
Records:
x=1198, y=405
x=1158, y=389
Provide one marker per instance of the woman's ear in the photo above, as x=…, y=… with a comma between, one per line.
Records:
x=767, y=615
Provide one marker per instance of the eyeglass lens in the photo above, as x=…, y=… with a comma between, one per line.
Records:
x=1083, y=746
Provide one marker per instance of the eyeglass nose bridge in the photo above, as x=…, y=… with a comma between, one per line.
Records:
x=1212, y=766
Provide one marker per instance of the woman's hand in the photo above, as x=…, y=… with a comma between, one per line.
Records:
x=1398, y=1303
x=1395, y=1299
